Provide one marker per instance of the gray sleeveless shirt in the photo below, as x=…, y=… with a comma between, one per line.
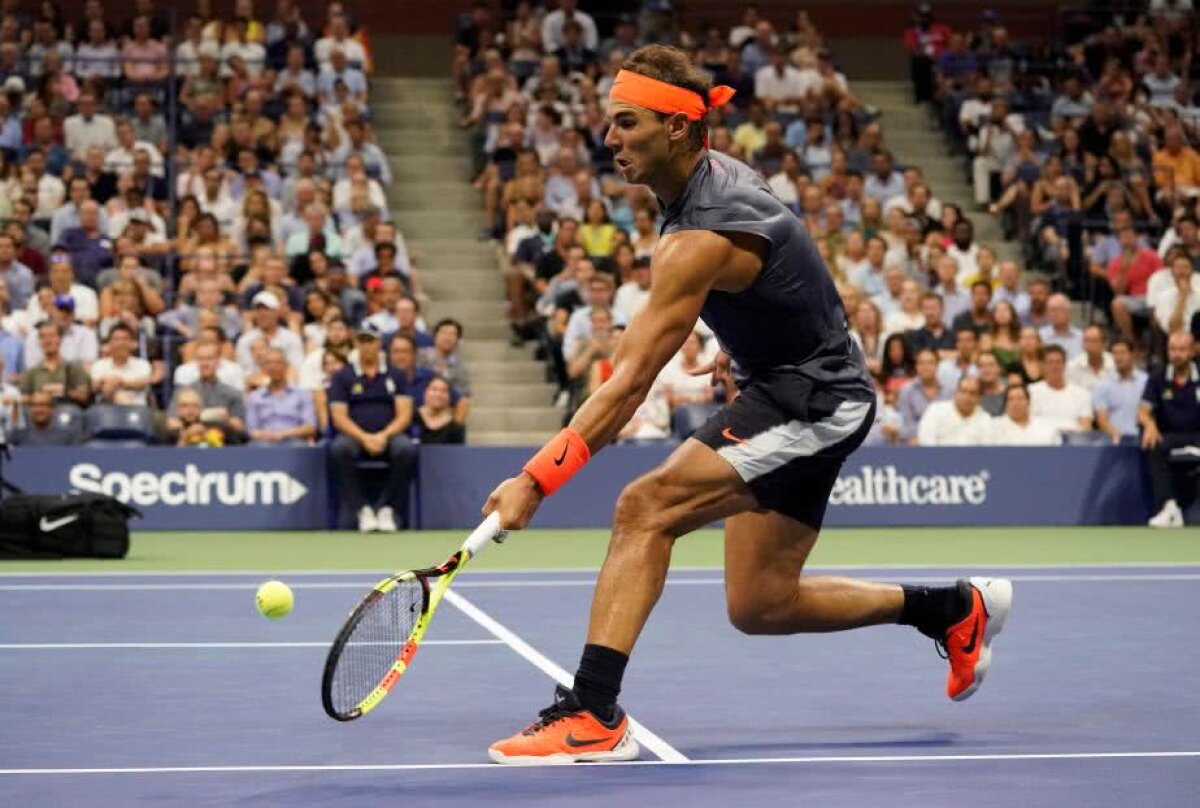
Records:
x=790, y=318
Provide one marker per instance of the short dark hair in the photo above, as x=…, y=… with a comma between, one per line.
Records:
x=1054, y=349
x=984, y=284
x=412, y=343
x=1121, y=341
x=122, y=327
x=1012, y=387
x=448, y=321
x=673, y=66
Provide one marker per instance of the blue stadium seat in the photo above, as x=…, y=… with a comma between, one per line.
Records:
x=70, y=418
x=107, y=423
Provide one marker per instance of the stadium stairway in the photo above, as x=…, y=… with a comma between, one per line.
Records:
x=441, y=217
x=912, y=137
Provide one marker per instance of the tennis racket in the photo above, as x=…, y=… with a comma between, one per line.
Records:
x=378, y=641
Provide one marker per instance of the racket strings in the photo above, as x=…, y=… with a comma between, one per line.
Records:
x=375, y=643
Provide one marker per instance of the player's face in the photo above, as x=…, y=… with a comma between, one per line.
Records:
x=638, y=139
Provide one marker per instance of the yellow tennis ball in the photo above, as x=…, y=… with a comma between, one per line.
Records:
x=274, y=600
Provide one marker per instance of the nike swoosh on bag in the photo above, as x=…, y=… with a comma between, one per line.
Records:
x=572, y=741
x=51, y=525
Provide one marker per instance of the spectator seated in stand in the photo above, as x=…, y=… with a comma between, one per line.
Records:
x=1018, y=427
x=66, y=382
x=371, y=412
x=433, y=419
x=41, y=427
x=958, y=422
x=279, y=412
x=1169, y=416
x=1067, y=406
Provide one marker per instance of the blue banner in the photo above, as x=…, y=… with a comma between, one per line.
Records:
x=878, y=487
x=287, y=488
x=237, y=488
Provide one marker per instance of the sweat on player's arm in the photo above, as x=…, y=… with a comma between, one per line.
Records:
x=691, y=265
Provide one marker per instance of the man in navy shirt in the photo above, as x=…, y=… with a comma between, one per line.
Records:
x=1170, y=419
x=371, y=411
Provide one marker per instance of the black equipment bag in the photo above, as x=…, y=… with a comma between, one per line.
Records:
x=70, y=525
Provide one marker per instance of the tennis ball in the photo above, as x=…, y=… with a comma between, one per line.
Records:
x=274, y=600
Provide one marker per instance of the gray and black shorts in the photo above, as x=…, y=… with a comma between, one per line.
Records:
x=788, y=442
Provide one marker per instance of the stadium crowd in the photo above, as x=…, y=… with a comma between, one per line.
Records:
x=197, y=248
x=1089, y=163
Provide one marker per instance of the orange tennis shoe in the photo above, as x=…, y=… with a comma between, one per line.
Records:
x=567, y=733
x=967, y=644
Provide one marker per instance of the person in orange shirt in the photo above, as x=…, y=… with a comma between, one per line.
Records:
x=1176, y=164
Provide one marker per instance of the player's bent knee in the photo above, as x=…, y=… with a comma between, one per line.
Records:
x=644, y=508
x=755, y=620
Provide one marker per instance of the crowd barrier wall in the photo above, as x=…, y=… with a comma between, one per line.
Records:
x=289, y=488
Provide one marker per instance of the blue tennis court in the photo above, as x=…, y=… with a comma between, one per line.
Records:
x=170, y=689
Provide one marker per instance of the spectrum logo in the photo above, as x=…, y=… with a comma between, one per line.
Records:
x=190, y=486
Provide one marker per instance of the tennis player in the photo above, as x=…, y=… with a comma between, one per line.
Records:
x=766, y=463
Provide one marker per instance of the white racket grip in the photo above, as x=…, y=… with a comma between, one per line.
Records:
x=488, y=530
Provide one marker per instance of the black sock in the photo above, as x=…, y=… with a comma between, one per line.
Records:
x=933, y=609
x=598, y=680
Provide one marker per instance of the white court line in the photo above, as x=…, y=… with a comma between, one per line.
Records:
x=90, y=646
x=816, y=759
x=560, y=570
x=574, y=582
x=664, y=750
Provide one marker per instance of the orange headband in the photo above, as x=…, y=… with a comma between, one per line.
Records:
x=666, y=98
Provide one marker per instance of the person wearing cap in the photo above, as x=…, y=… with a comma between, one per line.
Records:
x=371, y=411
x=267, y=313
x=65, y=381
x=78, y=342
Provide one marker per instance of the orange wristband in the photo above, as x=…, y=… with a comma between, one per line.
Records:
x=557, y=461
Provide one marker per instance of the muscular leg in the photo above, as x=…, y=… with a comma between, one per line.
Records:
x=765, y=552
x=691, y=489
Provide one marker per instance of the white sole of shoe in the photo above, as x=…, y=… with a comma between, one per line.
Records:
x=997, y=594
x=626, y=749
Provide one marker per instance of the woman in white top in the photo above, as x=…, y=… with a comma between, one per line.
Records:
x=679, y=379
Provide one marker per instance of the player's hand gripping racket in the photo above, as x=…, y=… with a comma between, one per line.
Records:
x=378, y=641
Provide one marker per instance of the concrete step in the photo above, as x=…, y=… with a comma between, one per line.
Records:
x=507, y=437
x=448, y=223
x=512, y=395
x=409, y=89
x=436, y=169
x=519, y=419
x=407, y=195
x=469, y=311
x=524, y=372
x=438, y=252
x=404, y=145
x=475, y=353
x=481, y=283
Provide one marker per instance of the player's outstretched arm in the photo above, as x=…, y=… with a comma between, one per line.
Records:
x=685, y=267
